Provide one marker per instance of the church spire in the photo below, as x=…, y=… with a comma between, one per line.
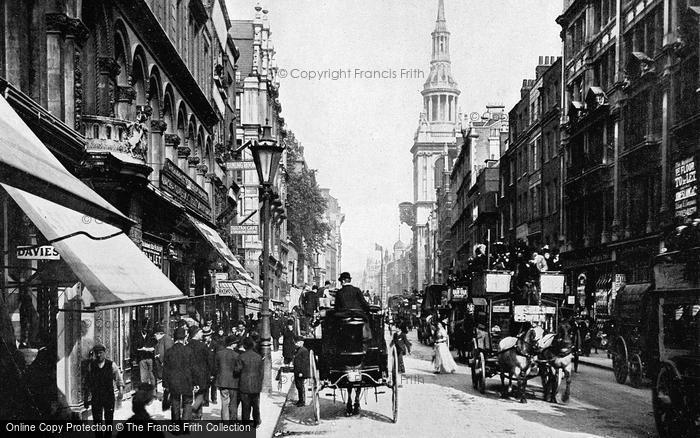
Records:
x=440, y=89
x=441, y=23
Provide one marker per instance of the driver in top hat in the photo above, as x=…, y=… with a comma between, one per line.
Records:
x=349, y=297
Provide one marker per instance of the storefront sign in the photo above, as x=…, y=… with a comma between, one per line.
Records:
x=240, y=165
x=46, y=252
x=500, y=309
x=154, y=252
x=685, y=187
x=245, y=229
x=459, y=294
x=552, y=283
x=532, y=313
x=177, y=183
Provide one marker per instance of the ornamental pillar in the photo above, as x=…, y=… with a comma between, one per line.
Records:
x=172, y=141
x=55, y=26
x=157, y=159
x=183, y=153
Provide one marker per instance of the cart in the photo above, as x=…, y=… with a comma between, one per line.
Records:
x=673, y=347
x=629, y=352
x=342, y=359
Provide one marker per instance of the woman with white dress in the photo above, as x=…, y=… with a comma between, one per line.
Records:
x=443, y=360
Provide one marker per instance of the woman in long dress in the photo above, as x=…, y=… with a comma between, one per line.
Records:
x=444, y=362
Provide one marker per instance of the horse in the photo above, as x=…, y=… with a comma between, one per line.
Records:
x=516, y=356
x=556, y=353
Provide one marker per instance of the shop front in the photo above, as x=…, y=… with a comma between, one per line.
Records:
x=108, y=284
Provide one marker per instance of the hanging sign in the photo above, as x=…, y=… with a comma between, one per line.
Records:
x=46, y=252
x=245, y=229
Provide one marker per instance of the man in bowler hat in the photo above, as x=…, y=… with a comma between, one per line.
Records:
x=250, y=365
x=179, y=377
x=227, y=379
x=202, y=369
x=349, y=297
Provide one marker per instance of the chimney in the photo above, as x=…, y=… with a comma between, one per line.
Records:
x=527, y=84
x=544, y=63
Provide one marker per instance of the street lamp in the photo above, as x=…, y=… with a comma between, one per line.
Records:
x=266, y=155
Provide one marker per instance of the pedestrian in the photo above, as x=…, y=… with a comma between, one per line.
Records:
x=250, y=365
x=275, y=330
x=288, y=342
x=102, y=376
x=145, y=346
x=179, y=377
x=403, y=347
x=143, y=397
x=324, y=296
x=210, y=395
x=302, y=370
x=443, y=360
x=227, y=378
x=202, y=370
x=163, y=343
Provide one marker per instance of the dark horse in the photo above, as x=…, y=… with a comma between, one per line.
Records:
x=556, y=354
x=516, y=358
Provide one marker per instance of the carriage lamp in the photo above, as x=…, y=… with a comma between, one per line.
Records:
x=266, y=156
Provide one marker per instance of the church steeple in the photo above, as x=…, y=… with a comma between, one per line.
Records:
x=440, y=89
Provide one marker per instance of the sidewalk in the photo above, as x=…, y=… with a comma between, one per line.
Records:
x=270, y=404
x=599, y=360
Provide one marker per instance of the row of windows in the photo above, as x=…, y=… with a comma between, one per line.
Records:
x=604, y=11
x=536, y=203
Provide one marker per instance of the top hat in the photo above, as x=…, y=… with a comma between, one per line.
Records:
x=344, y=276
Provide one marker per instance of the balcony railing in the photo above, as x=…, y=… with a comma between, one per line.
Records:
x=115, y=135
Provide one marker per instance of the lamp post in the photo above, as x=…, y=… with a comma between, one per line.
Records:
x=266, y=155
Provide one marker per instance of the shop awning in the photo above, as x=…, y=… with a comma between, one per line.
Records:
x=211, y=236
x=112, y=268
x=229, y=288
x=25, y=163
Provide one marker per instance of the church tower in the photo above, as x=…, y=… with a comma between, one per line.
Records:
x=439, y=128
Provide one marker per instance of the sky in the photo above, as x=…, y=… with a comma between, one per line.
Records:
x=358, y=129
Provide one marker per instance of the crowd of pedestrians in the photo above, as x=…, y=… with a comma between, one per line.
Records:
x=195, y=366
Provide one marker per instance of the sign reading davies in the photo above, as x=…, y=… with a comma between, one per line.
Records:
x=176, y=182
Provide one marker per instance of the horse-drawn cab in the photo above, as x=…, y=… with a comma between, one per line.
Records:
x=352, y=353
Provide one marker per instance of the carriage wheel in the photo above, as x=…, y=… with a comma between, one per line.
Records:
x=635, y=371
x=480, y=367
x=672, y=419
x=620, y=360
x=394, y=385
x=472, y=364
x=315, y=382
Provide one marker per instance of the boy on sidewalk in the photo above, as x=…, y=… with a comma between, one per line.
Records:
x=302, y=370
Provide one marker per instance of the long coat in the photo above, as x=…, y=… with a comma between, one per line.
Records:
x=224, y=367
x=302, y=367
x=350, y=297
x=288, y=345
x=178, y=370
x=250, y=365
x=202, y=362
